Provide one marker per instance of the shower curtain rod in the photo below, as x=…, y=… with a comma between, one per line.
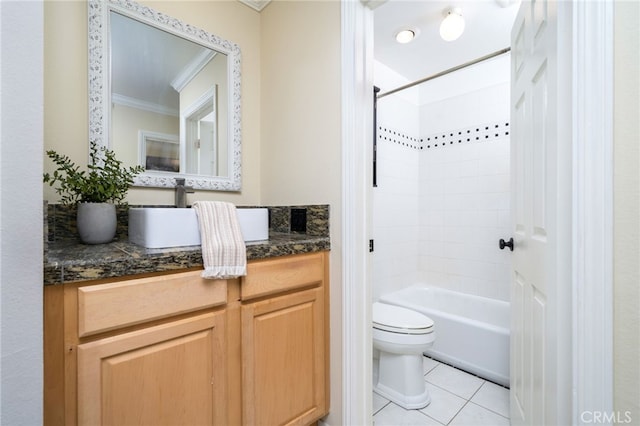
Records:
x=450, y=70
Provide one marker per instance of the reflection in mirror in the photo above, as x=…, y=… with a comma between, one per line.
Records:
x=164, y=95
x=159, y=151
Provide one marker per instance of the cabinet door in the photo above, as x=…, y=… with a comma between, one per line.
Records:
x=284, y=359
x=170, y=374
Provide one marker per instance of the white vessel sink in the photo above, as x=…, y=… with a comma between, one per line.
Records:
x=170, y=227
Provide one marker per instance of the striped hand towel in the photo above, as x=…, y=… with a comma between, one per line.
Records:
x=223, y=251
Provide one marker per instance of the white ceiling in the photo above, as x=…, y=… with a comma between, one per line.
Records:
x=487, y=29
x=145, y=60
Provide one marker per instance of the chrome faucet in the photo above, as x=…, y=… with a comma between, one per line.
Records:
x=181, y=193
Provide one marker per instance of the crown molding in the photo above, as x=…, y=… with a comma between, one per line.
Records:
x=256, y=4
x=192, y=69
x=128, y=101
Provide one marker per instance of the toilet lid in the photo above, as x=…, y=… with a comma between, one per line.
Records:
x=400, y=320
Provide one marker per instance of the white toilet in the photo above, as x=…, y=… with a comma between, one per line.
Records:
x=400, y=336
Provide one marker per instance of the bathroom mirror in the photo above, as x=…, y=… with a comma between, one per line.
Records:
x=165, y=95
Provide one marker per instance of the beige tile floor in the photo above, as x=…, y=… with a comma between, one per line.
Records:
x=457, y=398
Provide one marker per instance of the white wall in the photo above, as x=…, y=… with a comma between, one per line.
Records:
x=21, y=44
x=440, y=210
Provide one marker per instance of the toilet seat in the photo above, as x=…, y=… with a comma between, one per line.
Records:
x=396, y=319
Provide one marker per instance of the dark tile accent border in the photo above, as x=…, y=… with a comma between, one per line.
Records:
x=479, y=133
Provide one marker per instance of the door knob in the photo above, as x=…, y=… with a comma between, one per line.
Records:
x=504, y=244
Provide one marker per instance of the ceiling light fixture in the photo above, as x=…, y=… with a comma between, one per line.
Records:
x=452, y=25
x=405, y=36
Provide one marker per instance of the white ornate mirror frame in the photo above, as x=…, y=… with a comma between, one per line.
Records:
x=100, y=85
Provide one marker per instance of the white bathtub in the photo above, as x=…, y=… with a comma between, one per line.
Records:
x=472, y=332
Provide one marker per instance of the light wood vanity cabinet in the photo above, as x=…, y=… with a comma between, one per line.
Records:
x=139, y=351
x=178, y=349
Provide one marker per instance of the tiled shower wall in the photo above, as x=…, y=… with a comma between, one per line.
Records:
x=396, y=218
x=442, y=204
x=465, y=194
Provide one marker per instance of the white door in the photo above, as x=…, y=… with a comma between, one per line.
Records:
x=540, y=377
x=207, y=149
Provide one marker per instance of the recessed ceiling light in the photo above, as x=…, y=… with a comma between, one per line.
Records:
x=405, y=36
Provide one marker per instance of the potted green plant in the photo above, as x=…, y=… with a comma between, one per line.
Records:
x=95, y=191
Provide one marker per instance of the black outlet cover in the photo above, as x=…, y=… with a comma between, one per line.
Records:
x=299, y=220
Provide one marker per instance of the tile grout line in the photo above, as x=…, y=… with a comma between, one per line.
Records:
x=466, y=400
x=458, y=412
x=489, y=409
x=453, y=393
x=464, y=371
x=428, y=416
x=469, y=401
x=383, y=407
x=482, y=406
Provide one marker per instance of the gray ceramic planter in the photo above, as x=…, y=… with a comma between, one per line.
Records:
x=96, y=222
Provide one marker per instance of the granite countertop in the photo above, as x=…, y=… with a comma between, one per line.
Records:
x=70, y=261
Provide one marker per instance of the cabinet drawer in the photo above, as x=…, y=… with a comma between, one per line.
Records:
x=105, y=307
x=271, y=276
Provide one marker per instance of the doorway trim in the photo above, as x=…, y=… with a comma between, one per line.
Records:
x=592, y=221
x=357, y=134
